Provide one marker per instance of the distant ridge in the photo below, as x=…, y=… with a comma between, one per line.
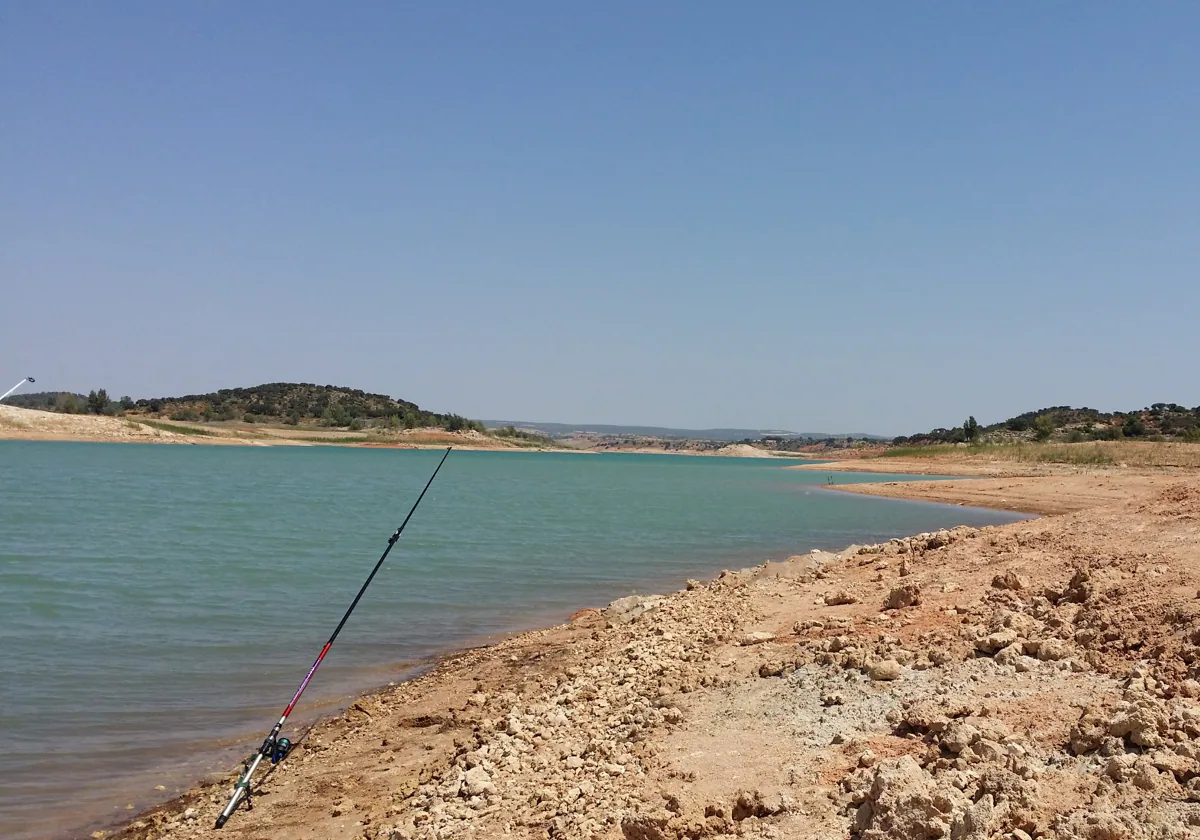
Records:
x=564, y=429
x=290, y=403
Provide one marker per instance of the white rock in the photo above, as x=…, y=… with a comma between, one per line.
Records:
x=477, y=782
x=885, y=669
x=757, y=637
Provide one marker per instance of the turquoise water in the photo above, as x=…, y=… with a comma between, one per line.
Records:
x=158, y=603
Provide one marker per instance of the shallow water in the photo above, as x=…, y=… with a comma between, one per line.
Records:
x=160, y=602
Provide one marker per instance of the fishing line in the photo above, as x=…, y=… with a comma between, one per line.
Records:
x=275, y=748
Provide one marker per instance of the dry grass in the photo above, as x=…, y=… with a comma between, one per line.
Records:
x=7, y=422
x=1095, y=453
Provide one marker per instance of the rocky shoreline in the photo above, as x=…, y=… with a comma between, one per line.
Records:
x=1035, y=680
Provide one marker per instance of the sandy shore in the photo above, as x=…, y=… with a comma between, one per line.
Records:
x=25, y=424
x=1052, y=494
x=1044, y=488
x=1026, y=681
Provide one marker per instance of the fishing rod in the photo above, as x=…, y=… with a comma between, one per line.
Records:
x=276, y=748
x=15, y=387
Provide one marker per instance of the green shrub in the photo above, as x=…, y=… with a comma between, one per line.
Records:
x=1043, y=427
x=1134, y=426
x=67, y=404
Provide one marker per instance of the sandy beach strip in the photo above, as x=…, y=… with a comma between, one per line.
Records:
x=1025, y=487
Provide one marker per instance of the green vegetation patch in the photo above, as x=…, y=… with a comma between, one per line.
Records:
x=179, y=430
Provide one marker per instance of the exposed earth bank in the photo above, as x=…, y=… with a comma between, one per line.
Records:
x=27, y=424
x=1037, y=680
x=1027, y=487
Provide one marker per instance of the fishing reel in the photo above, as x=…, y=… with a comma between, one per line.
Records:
x=279, y=750
x=274, y=750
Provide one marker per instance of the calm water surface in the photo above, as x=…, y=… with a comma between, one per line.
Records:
x=160, y=603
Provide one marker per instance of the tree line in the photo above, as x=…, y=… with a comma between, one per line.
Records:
x=1160, y=421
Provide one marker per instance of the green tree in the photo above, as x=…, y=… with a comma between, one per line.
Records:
x=67, y=404
x=294, y=418
x=98, y=401
x=335, y=415
x=1134, y=426
x=1043, y=427
x=970, y=429
x=127, y=403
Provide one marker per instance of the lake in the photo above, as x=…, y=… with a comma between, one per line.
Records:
x=159, y=604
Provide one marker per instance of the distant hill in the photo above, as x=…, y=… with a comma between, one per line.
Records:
x=275, y=402
x=297, y=402
x=568, y=429
x=1165, y=421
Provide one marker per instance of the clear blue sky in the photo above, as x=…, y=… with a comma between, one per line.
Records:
x=870, y=217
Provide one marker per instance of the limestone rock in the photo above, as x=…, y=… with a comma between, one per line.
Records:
x=1052, y=650
x=757, y=637
x=908, y=595
x=624, y=610
x=958, y=736
x=477, y=782
x=885, y=669
x=902, y=800
x=772, y=669
x=1010, y=580
x=834, y=599
x=1011, y=654
x=994, y=642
